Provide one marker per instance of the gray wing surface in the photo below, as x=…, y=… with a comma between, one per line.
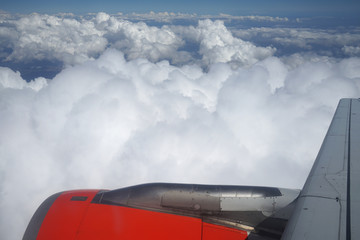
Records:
x=328, y=207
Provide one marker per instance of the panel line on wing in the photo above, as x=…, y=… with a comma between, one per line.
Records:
x=348, y=210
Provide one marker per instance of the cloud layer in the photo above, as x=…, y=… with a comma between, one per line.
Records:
x=135, y=105
x=41, y=45
x=109, y=123
x=335, y=42
x=71, y=40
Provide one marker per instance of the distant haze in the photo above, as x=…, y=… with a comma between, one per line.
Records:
x=303, y=8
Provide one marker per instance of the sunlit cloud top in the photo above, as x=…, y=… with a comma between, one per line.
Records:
x=109, y=100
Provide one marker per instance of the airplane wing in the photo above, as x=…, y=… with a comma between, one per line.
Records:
x=329, y=204
x=327, y=207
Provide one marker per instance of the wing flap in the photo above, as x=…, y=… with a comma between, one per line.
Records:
x=328, y=206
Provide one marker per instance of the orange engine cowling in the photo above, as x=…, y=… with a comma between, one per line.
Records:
x=78, y=215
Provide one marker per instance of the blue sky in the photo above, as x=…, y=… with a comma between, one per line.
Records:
x=344, y=8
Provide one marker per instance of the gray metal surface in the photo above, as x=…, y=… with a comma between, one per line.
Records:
x=249, y=208
x=328, y=206
x=354, y=208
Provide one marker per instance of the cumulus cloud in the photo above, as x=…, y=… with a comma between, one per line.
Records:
x=138, y=103
x=111, y=122
x=138, y=40
x=170, y=17
x=71, y=40
x=217, y=44
x=254, y=18
x=165, y=17
x=326, y=42
x=49, y=37
x=353, y=51
x=12, y=80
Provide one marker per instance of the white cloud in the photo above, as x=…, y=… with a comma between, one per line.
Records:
x=12, y=80
x=72, y=40
x=351, y=51
x=328, y=42
x=254, y=18
x=50, y=37
x=172, y=103
x=108, y=123
x=138, y=40
x=170, y=17
x=217, y=44
x=165, y=17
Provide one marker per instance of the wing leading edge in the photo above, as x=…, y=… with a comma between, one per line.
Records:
x=328, y=207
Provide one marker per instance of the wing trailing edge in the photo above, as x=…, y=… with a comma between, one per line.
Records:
x=328, y=207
